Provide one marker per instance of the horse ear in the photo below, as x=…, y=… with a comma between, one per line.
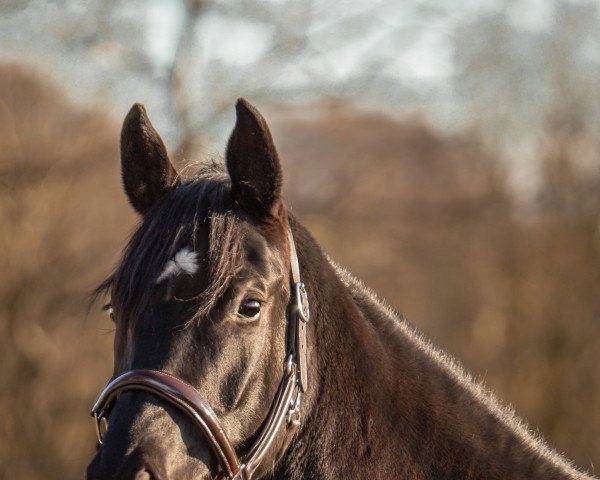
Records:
x=145, y=166
x=253, y=163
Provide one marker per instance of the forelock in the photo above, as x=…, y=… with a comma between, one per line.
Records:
x=173, y=224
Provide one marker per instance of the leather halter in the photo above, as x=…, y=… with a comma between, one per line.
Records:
x=284, y=412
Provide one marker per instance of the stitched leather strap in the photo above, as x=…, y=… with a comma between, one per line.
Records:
x=280, y=415
x=299, y=315
x=178, y=394
x=184, y=397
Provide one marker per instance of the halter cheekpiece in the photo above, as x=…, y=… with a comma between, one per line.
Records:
x=284, y=414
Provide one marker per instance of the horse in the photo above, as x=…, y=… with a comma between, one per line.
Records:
x=243, y=351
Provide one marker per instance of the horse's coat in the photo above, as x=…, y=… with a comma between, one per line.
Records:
x=382, y=402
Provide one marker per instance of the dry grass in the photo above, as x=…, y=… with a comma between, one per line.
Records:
x=425, y=219
x=61, y=222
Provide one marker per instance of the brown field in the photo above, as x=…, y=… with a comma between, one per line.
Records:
x=424, y=218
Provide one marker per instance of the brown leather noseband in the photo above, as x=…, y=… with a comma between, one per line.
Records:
x=284, y=411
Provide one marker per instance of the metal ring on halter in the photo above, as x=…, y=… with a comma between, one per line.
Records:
x=302, y=302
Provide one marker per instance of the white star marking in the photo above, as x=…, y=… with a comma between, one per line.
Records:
x=184, y=261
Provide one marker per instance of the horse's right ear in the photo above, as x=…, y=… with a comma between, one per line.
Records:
x=145, y=166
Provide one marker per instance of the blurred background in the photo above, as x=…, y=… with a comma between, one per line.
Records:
x=447, y=152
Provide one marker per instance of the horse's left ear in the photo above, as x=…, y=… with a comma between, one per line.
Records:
x=253, y=164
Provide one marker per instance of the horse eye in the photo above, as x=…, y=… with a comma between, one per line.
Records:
x=108, y=308
x=250, y=308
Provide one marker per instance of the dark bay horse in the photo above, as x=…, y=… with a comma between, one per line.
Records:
x=243, y=351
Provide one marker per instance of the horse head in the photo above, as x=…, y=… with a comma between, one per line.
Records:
x=201, y=305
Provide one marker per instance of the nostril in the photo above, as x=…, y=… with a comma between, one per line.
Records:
x=144, y=475
x=97, y=472
x=148, y=468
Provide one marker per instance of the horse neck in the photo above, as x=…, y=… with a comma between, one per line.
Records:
x=382, y=403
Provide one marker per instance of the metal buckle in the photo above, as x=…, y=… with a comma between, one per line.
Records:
x=241, y=474
x=289, y=364
x=302, y=302
x=293, y=416
x=101, y=425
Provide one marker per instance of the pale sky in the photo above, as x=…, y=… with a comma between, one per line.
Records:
x=238, y=49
